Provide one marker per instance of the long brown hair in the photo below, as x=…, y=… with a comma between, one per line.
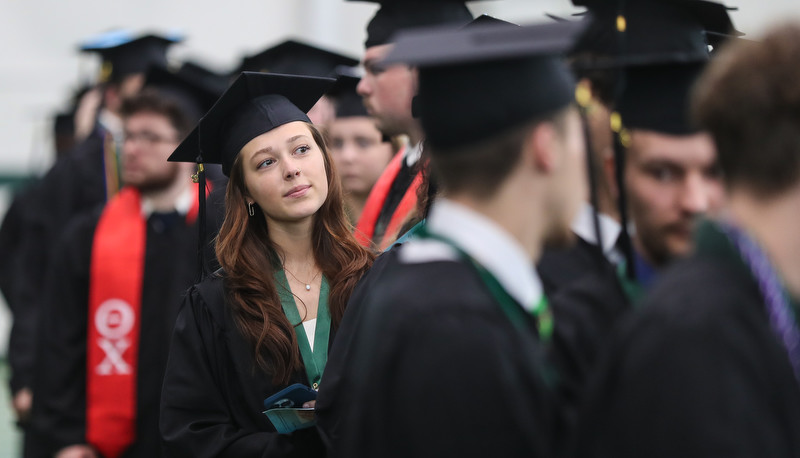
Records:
x=249, y=258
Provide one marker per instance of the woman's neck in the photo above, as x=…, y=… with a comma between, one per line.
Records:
x=293, y=241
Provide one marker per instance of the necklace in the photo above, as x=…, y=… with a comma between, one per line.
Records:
x=307, y=284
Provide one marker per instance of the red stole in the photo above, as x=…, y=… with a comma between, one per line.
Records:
x=115, y=294
x=365, y=228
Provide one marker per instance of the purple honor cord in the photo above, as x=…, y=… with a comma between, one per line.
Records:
x=781, y=316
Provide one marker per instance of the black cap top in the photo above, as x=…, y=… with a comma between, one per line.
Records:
x=124, y=54
x=649, y=31
x=346, y=100
x=194, y=95
x=656, y=97
x=254, y=104
x=396, y=15
x=292, y=57
x=485, y=19
x=209, y=78
x=478, y=82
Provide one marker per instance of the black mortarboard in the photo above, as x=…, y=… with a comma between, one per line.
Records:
x=124, y=54
x=396, y=15
x=485, y=20
x=478, y=82
x=193, y=94
x=210, y=79
x=254, y=104
x=346, y=100
x=656, y=97
x=292, y=57
x=649, y=31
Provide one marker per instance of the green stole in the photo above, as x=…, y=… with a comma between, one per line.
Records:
x=313, y=361
x=510, y=307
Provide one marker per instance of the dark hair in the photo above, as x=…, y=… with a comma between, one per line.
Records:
x=749, y=100
x=480, y=168
x=249, y=258
x=153, y=101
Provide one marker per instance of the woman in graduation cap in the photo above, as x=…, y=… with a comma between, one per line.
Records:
x=289, y=262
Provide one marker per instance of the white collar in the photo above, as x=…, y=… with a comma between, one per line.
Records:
x=182, y=204
x=583, y=227
x=486, y=242
x=413, y=153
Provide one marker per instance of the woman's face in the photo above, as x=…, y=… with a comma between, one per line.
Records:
x=359, y=153
x=284, y=173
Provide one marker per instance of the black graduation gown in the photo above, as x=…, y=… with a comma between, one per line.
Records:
x=697, y=372
x=584, y=314
x=441, y=371
x=337, y=390
x=212, y=400
x=75, y=184
x=60, y=387
x=11, y=234
x=559, y=268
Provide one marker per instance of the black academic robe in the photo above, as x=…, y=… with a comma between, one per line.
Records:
x=336, y=393
x=559, y=268
x=213, y=395
x=440, y=370
x=697, y=372
x=60, y=387
x=75, y=184
x=584, y=314
x=11, y=234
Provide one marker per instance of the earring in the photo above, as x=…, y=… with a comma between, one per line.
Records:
x=250, y=210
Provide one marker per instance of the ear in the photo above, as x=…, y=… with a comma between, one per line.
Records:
x=542, y=141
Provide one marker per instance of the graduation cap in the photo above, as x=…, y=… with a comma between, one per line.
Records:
x=211, y=79
x=478, y=82
x=193, y=94
x=254, y=104
x=647, y=31
x=396, y=15
x=292, y=57
x=123, y=54
x=346, y=100
x=656, y=97
x=485, y=20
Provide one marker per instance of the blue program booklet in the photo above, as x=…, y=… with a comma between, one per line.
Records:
x=285, y=408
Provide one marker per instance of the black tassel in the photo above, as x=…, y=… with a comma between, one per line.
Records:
x=622, y=202
x=583, y=97
x=200, y=179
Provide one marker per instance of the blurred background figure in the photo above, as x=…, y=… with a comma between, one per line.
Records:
x=114, y=288
x=86, y=176
x=360, y=151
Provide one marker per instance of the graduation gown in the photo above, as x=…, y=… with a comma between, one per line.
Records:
x=698, y=372
x=440, y=370
x=60, y=387
x=75, y=184
x=336, y=394
x=11, y=234
x=213, y=395
x=559, y=268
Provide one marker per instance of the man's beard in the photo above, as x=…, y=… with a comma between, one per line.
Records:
x=158, y=183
